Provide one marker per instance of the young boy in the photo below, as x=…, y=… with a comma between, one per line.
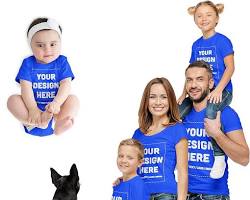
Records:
x=130, y=157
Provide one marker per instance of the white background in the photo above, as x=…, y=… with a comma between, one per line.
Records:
x=114, y=47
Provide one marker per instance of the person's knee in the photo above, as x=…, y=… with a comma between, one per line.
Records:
x=73, y=98
x=12, y=100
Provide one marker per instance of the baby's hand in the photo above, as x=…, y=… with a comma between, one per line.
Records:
x=34, y=117
x=53, y=107
x=215, y=96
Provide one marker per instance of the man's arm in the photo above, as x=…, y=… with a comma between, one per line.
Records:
x=233, y=143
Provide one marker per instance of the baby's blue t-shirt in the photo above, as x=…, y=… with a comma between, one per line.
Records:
x=200, y=149
x=133, y=189
x=213, y=50
x=159, y=164
x=45, y=78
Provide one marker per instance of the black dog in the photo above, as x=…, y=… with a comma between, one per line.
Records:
x=67, y=187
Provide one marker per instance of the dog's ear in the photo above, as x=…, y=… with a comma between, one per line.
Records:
x=74, y=178
x=55, y=176
x=74, y=173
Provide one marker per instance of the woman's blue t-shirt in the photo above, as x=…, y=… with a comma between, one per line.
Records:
x=160, y=158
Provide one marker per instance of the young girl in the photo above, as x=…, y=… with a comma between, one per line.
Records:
x=131, y=186
x=45, y=79
x=217, y=50
x=165, y=142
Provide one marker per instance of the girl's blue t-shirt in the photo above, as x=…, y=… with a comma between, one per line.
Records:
x=159, y=164
x=213, y=50
x=45, y=78
x=133, y=189
x=200, y=149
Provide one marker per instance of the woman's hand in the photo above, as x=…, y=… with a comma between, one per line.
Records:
x=117, y=181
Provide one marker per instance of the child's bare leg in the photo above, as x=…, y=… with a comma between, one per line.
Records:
x=17, y=107
x=65, y=118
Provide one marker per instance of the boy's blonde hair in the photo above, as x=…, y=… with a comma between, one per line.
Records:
x=218, y=8
x=134, y=143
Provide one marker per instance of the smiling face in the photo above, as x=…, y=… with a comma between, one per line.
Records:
x=128, y=161
x=206, y=19
x=198, y=84
x=46, y=46
x=158, y=104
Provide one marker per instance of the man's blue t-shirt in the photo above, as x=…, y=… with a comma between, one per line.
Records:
x=200, y=149
x=45, y=79
x=159, y=164
x=133, y=189
x=213, y=50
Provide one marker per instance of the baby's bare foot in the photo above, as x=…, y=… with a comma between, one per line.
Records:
x=63, y=125
x=46, y=117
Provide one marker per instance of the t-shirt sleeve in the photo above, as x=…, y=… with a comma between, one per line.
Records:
x=24, y=72
x=179, y=133
x=230, y=120
x=65, y=69
x=192, y=58
x=226, y=46
x=136, y=134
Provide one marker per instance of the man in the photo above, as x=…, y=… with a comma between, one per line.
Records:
x=231, y=140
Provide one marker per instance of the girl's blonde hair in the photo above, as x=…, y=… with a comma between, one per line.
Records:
x=218, y=8
x=133, y=143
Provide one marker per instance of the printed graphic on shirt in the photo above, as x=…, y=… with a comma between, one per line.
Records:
x=152, y=169
x=120, y=195
x=208, y=54
x=45, y=86
x=200, y=154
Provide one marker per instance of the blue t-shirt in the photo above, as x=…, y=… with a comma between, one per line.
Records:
x=200, y=149
x=213, y=50
x=159, y=164
x=133, y=189
x=45, y=78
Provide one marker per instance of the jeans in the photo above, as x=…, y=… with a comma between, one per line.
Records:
x=211, y=112
x=163, y=196
x=192, y=196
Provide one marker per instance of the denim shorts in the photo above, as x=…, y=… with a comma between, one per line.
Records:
x=163, y=196
x=192, y=196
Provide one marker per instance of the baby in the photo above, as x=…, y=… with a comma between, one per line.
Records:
x=45, y=80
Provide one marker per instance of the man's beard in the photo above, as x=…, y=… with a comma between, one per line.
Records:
x=202, y=97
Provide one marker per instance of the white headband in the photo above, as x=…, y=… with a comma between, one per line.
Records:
x=51, y=24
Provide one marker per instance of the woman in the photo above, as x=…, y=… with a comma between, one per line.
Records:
x=165, y=142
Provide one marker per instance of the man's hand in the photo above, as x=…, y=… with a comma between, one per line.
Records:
x=213, y=126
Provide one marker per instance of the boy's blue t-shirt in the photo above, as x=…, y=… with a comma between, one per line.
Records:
x=45, y=78
x=133, y=189
x=200, y=149
x=159, y=164
x=213, y=51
